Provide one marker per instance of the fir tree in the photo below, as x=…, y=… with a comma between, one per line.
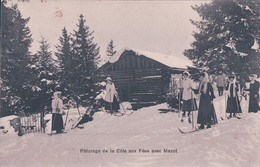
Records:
x=84, y=59
x=15, y=72
x=45, y=74
x=227, y=33
x=65, y=70
x=111, y=49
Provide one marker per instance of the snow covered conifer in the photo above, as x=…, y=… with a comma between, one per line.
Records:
x=15, y=61
x=45, y=73
x=227, y=37
x=65, y=63
x=84, y=60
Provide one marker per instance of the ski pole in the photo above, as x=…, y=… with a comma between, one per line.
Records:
x=180, y=86
x=237, y=102
x=179, y=105
x=193, y=106
x=66, y=119
x=225, y=104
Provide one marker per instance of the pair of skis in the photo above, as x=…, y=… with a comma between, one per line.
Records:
x=184, y=132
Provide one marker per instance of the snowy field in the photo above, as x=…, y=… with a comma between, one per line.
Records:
x=231, y=143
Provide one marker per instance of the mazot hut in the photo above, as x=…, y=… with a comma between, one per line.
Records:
x=142, y=77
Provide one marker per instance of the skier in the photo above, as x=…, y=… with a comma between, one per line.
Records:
x=221, y=82
x=207, y=114
x=57, y=110
x=253, y=94
x=233, y=91
x=189, y=103
x=111, y=101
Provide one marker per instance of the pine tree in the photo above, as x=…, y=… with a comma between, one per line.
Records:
x=45, y=74
x=227, y=33
x=84, y=60
x=65, y=70
x=111, y=49
x=15, y=72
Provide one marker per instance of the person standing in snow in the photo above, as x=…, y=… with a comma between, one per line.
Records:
x=233, y=91
x=206, y=115
x=253, y=94
x=111, y=102
x=221, y=82
x=57, y=110
x=189, y=103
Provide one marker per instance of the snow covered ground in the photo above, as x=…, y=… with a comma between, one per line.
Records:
x=232, y=142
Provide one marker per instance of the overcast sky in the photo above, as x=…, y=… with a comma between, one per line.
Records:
x=158, y=26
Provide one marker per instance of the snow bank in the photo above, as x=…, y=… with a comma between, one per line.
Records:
x=5, y=122
x=169, y=60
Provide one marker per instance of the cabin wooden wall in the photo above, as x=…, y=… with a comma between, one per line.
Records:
x=138, y=79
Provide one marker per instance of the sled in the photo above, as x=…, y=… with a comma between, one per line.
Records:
x=81, y=117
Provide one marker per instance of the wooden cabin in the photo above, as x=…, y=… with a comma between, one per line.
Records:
x=140, y=77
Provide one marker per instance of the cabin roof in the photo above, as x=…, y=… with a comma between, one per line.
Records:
x=168, y=60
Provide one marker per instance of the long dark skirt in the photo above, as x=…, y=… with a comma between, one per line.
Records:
x=57, y=122
x=233, y=105
x=115, y=105
x=189, y=105
x=207, y=114
x=253, y=103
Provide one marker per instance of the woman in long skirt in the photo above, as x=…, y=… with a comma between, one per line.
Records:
x=207, y=115
x=254, y=94
x=233, y=103
x=111, y=101
x=57, y=110
x=189, y=103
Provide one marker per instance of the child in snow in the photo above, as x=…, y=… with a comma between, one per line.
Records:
x=254, y=94
x=233, y=91
x=206, y=115
x=189, y=103
x=57, y=110
x=111, y=102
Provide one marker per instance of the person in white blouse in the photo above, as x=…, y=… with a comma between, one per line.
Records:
x=111, y=97
x=189, y=103
x=57, y=110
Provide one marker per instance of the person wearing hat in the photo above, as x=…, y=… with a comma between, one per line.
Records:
x=57, y=110
x=221, y=82
x=207, y=114
x=189, y=103
x=233, y=91
x=111, y=102
x=253, y=94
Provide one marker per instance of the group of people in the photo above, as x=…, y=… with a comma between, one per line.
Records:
x=205, y=91
x=111, y=104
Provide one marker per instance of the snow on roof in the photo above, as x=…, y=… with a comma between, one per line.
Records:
x=168, y=60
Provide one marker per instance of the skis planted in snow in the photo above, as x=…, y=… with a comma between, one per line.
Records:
x=57, y=133
x=81, y=117
x=234, y=117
